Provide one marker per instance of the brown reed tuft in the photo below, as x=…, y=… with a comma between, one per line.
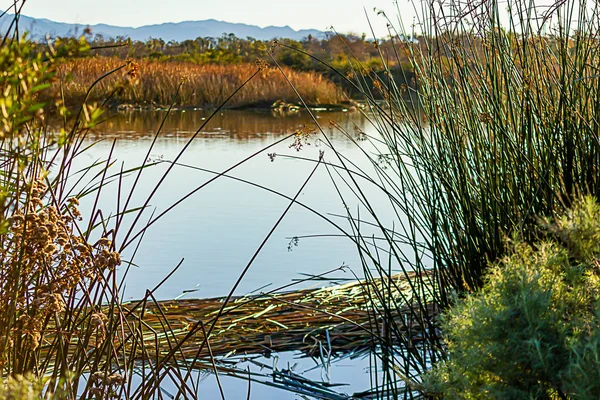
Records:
x=154, y=83
x=44, y=260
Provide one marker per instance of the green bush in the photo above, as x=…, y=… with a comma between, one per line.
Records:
x=533, y=330
x=21, y=388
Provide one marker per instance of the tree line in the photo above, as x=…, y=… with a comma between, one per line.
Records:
x=335, y=55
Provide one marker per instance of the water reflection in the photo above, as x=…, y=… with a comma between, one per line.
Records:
x=218, y=229
x=242, y=125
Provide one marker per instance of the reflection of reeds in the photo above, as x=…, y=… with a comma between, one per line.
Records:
x=155, y=84
x=235, y=124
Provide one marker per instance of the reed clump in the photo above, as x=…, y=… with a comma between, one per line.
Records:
x=54, y=278
x=505, y=131
x=155, y=83
x=499, y=128
x=44, y=261
x=60, y=311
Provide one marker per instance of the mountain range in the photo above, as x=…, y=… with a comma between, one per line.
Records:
x=39, y=28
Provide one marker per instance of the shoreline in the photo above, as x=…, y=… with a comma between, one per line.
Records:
x=278, y=106
x=154, y=84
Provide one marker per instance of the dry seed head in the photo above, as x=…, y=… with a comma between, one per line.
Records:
x=98, y=376
x=115, y=379
x=98, y=326
x=62, y=240
x=38, y=242
x=133, y=69
x=31, y=329
x=56, y=303
x=42, y=230
x=82, y=248
x=76, y=214
x=116, y=259
x=50, y=249
x=103, y=242
x=274, y=45
x=32, y=217
x=39, y=185
x=34, y=337
x=377, y=85
x=302, y=136
x=261, y=64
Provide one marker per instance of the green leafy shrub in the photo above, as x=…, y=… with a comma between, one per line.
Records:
x=21, y=388
x=533, y=331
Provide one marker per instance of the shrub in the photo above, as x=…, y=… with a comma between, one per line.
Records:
x=21, y=388
x=533, y=330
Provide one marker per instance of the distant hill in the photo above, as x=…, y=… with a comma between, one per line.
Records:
x=178, y=31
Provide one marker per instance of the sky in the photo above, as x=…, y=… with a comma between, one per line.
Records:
x=344, y=15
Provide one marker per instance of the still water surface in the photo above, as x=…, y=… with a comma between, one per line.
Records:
x=217, y=230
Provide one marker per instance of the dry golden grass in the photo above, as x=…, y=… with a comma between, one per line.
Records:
x=154, y=83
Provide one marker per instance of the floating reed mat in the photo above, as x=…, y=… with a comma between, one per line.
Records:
x=338, y=318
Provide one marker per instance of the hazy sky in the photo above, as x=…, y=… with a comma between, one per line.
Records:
x=344, y=15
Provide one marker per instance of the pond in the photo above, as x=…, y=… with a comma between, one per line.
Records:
x=216, y=231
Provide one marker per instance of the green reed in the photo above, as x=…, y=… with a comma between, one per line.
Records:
x=504, y=131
